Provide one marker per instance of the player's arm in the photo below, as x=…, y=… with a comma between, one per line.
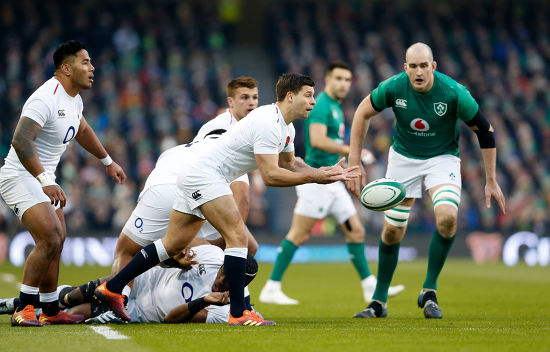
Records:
x=274, y=175
x=319, y=139
x=87, y=138
x=25, y=134
x=195, y=311
x=485, y=135
x=359, y=128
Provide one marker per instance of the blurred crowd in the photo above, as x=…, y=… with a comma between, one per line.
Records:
x=161, y=71
x=500, y=50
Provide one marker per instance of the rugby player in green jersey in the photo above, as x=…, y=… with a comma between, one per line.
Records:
x=324, y=141
x=427, y=106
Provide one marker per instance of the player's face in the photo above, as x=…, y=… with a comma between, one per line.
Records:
x=338, y=83
x=303, y=102
x=82, y=70
x=420, y=69
x=243, y=102
x=220, y=283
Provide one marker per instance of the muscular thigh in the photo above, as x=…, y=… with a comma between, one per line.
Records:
x=22, y=193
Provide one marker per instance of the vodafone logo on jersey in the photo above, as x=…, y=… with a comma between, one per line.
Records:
x=420, y=125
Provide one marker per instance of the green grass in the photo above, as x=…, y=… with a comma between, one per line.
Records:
x=485, y=308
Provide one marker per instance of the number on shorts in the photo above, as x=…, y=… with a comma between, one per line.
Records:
x=139, y=224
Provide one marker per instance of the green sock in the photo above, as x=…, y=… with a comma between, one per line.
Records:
x=284, y=258
x=437, y=254
x=387, y=262
x=357, y=256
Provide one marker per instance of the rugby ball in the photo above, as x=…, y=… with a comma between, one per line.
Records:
x=382, y=194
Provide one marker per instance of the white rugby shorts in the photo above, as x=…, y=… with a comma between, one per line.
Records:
x=319, y=201
x=439, y=170
x=149, y=220
x=23, y=192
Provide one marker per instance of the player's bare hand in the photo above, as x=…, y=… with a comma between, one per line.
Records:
x=492, y=189
x=217, y=298
x=354, y=185
x=115, y=171
x=336, y=172
x=56, y=195
x=186, y=258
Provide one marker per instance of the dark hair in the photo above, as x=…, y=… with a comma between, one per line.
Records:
x=291, y=82
x=338, y=64
x=66, y=49
x=239, y=82
x=251, y=269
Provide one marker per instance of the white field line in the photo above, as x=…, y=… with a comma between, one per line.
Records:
x=109, y=333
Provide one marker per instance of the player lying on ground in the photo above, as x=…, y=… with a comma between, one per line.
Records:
x=195, y=294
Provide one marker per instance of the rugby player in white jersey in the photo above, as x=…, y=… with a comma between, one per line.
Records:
x=51, y=118
x=167, y=295
x=149, y=219
x=264, y=139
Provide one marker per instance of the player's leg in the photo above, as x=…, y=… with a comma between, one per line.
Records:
x=444, y=185
x=223, y=214
x=299, y=233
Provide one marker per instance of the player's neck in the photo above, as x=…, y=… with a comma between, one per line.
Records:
x=234, y=115
x=67, y=85
x=285, y=111
x=333, y=96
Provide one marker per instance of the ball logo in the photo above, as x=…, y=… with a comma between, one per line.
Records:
x=420, y=125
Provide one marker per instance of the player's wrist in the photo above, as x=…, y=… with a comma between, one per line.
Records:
x=196, y=305
x=106, y=160
x=45, y=179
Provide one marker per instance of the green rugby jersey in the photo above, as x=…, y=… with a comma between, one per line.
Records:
x=328, y=112
x=426, y=123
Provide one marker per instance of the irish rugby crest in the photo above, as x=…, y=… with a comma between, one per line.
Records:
x=440, y=108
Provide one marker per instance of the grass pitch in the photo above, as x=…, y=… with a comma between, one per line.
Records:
x=485, y=308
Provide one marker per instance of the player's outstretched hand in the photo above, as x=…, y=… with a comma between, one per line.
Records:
x=56, y=194
x=330, y=174
x=115, y=171
x=354, y=184
x=217, y=298
x=492, y=189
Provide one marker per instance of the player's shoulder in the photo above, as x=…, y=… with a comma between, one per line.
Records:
x=449, y=83
x=48, y=92
x=208, y=254
x=395, y=82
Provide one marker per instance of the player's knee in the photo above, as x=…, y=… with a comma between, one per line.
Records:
x=298, y=238
x=356, y=234
x=446, y=224
x=392, y=234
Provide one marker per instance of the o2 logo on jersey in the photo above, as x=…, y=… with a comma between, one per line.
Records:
x=69, y=135
x=187, y=292
x=420, y=125
x=139, y=224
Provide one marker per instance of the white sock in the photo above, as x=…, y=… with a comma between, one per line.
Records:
x=161, y=251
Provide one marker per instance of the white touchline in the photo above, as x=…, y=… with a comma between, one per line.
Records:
x=109, y=333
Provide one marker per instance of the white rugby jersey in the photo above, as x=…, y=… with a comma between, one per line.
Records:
x=262, y=131
x=59, y=115
x=170, y=163
x=223, y=121
x=157, y=291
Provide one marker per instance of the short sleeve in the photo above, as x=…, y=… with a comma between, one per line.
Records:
x=289, y=147
x=37, y=110
x=266, y=136
x=379, y=96
x=467, y=106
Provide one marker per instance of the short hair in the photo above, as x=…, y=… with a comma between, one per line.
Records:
x=251, y=269
x=66, y=49
x=291, y=82
x=240, y=82
x=338, y=64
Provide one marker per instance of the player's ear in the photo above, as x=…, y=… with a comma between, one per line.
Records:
x=405, y=66
x=229, y=101
x=289, y=96
x=434, y=65
x=66, y=68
